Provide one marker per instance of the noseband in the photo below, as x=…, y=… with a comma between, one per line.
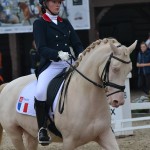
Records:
x=105, y=76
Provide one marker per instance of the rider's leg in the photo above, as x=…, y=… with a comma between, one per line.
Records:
x=40, y=107
x=41, y=95
x=40, y=102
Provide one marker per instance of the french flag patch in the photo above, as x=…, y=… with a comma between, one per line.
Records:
x=23, y=104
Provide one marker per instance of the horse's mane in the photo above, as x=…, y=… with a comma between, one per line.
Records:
x=92, y=47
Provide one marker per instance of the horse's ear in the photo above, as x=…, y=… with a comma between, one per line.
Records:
x=114, y=48
x=132, y=47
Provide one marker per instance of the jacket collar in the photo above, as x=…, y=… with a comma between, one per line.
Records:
x=46, y=18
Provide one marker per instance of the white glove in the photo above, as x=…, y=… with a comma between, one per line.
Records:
x=63, y=55
x=80, y=55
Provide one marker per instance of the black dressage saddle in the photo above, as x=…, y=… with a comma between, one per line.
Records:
x=52, y=91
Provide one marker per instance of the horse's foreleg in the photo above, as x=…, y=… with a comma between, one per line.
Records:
x=15, y=133
x=68, y=144
x=108, y=140
x=31, y=142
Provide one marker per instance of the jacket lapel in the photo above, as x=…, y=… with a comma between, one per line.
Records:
x=59, y=26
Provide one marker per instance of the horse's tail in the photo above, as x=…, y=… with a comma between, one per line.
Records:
x=1, y=128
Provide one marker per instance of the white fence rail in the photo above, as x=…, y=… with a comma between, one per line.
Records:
x=122, y=121
x=132, y=127
x=140, y=106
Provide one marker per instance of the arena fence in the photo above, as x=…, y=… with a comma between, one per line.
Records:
x=122, y=122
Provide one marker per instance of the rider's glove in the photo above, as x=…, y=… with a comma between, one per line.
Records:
x=80, y=55
x=63, y=55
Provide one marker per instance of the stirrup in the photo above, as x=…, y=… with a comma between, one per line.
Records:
x=43, y=137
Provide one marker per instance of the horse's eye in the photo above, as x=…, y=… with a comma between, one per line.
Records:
x=116, y=69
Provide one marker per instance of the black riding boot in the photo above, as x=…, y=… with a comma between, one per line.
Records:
x=40, y=108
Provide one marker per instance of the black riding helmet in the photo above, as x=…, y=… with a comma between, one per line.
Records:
x=44, y=6
x=41, y=1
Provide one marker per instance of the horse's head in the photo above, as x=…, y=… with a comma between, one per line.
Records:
x=116, y=68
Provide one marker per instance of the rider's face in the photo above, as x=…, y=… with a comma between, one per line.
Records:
x=54, y=6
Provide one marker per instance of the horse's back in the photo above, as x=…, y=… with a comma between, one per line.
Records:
x=17, y=84
x=9, y=96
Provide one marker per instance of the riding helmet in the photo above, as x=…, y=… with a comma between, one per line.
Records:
x=41, y=1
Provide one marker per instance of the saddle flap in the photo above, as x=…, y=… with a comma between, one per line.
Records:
x=54, y=86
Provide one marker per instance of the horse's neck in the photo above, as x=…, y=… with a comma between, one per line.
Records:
x=88, y=67
x=92, y=63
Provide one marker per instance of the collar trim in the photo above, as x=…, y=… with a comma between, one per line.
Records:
x=46, y=18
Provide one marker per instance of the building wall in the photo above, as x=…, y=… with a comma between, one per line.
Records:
x=94, y=4
x=102, y=3
x=126, y=21
x=6, y=58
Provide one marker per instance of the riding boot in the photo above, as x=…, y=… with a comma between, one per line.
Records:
x=40, y=108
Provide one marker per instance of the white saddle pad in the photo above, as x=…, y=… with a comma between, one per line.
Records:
x=25, y=103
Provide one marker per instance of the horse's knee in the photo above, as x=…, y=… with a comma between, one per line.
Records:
x=68, y=144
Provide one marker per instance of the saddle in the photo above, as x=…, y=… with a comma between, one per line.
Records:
x=52, y=91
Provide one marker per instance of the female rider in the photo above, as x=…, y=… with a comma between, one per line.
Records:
x=53, y=37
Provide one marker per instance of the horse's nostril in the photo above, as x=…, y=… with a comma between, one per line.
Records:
x=115, y=101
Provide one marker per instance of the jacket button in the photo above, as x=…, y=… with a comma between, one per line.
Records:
x=57, y=45
x=56, y=36
x=65, y=44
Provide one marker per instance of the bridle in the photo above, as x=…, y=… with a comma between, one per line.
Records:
x=104, y=76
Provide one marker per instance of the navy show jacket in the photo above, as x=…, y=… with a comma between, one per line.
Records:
x=51, y=38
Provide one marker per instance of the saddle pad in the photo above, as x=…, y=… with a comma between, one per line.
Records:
x=25, y=102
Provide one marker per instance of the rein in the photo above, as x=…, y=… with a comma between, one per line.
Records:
x=105, y=76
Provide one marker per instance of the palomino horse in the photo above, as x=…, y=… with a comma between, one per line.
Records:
x=86, y=116
x=28, y=13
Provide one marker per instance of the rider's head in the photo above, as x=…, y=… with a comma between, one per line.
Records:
x=51, y=6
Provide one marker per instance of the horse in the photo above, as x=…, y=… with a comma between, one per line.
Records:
x=28, y=13
x=8, y=18
x=97, y=81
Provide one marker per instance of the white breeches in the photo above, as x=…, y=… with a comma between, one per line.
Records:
x=46, y=76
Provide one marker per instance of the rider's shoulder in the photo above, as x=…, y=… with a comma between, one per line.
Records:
x=39, y=21
x=65, y=20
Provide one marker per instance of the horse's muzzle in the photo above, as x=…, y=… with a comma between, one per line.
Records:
x=116, y=100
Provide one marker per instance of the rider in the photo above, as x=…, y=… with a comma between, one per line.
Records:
x=53, y=37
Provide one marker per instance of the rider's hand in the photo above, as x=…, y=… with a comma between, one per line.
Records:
x=80, y=55
x=63, y=55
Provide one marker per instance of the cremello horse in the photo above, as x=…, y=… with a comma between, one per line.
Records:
x=86, y=116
